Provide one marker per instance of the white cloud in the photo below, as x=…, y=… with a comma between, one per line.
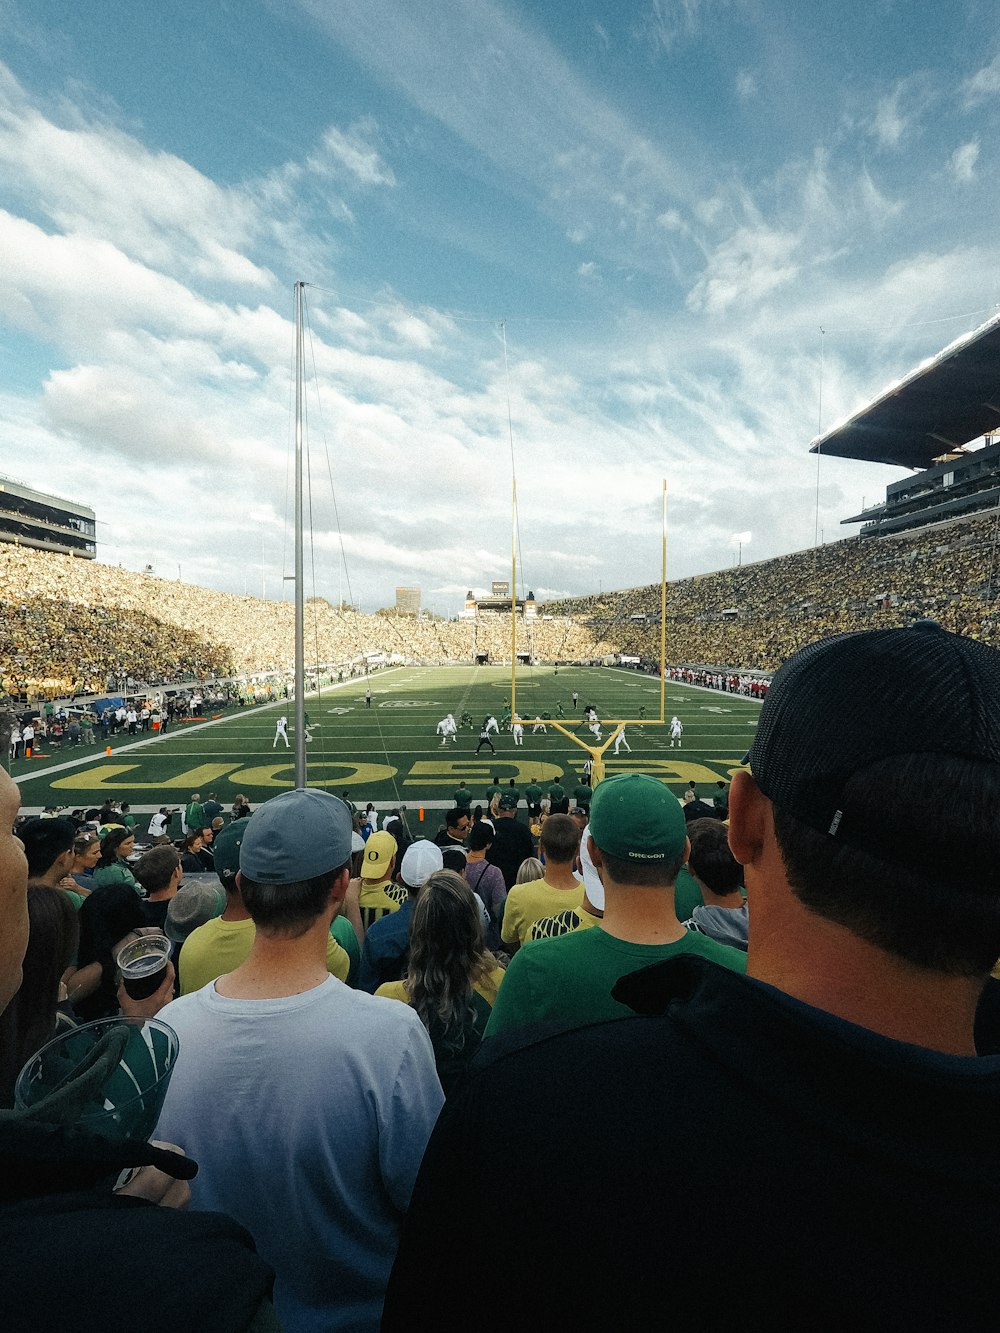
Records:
x=878, y=206
x=475, y=67
x=746, y=85
x=982, y=86
x=963, y=162
x=354, y=152
x=664, y=24
x=889, y=124
x=898, y=116
x=171, y=335
x=671, y=220
x=747, y=267
x=94, y=179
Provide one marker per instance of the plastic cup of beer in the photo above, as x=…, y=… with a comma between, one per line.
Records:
x=143, y=964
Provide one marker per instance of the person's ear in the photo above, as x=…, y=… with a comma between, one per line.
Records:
x=748, y=818
x=338, y=888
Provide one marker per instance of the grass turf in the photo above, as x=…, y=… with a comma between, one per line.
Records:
x=390, y=753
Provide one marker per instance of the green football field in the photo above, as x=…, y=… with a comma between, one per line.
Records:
x=390, y=753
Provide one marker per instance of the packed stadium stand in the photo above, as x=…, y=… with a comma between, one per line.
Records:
x=754, y=616
x=70, y=626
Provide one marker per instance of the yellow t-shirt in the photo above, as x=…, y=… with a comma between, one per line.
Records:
x=487, y=988
x=528, y=903
x=378, y=899
x=220, y=946
x=563, y=923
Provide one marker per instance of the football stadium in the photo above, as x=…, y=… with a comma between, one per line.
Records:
x=633, y=915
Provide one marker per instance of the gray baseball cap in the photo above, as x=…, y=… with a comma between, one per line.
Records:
x=296, y=836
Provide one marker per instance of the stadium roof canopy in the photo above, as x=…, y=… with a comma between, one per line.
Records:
x=936, y=409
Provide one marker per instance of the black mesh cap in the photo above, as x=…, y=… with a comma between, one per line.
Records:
x=845, y=702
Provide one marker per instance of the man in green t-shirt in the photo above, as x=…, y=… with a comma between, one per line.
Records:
x=637, y=839
x=494, y=789
x=463, y=797
x=533, y=795
x=194, y=815
x=559, y=799
x=582, y=794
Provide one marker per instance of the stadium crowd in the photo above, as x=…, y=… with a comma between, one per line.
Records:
x=407, y=1067
x=70, y=626
x=755, y=615
x=73, y=626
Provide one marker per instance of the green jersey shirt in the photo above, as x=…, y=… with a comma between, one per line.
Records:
x=569, y=978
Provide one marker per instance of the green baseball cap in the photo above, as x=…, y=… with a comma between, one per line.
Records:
x=226, y=850
x=636, y=818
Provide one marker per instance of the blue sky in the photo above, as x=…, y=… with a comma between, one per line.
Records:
x=688, y=213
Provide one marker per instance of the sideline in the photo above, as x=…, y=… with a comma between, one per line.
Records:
x=187, y=728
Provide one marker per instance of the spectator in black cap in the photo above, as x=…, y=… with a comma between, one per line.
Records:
x=863, y=1181
x=512, y=839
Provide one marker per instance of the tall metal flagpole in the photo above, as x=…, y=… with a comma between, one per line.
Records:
x=663, y=612
x=513, y=599
x=300, y=653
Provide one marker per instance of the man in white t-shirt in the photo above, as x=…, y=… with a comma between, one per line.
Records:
x=676, y=731
x=281, y=731
x=158, y=823
x=307, y=1105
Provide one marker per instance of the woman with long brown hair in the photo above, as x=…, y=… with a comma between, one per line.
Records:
x=452, y=978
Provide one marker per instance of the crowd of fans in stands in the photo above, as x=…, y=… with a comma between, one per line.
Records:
x=754, y=616
x=74, y=626
x=71, y=626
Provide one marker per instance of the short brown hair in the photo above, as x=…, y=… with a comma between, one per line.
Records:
x=155, y=868
x=560, y=839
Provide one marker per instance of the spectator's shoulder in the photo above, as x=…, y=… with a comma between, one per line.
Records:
x=507, y=1049
x=185, y=1006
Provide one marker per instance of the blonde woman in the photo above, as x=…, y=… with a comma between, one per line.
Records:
x=530, y=869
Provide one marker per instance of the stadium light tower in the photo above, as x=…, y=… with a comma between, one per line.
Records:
x=739, y=538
